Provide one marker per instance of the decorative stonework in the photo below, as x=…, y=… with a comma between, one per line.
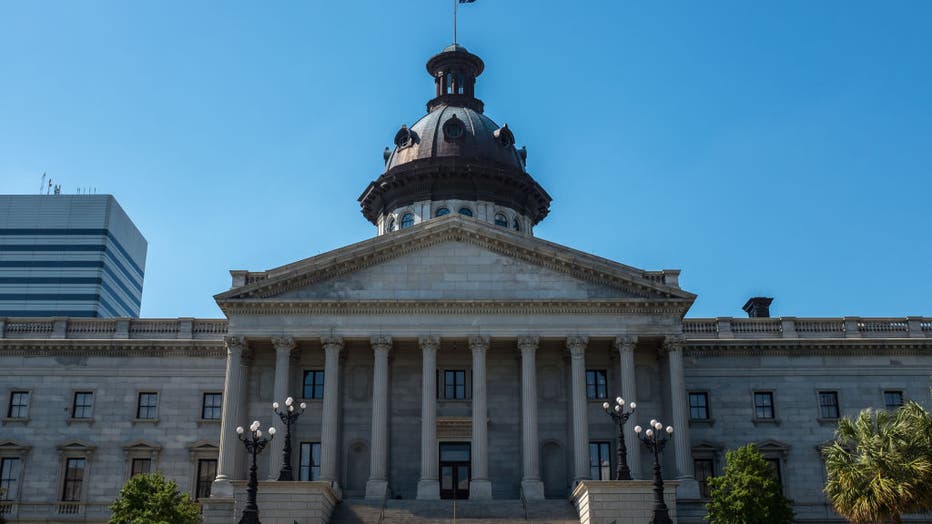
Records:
x=454, y=428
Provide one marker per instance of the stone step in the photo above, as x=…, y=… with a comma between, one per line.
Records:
x=442, y=512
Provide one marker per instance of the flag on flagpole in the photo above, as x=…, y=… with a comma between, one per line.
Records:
x=467, y=1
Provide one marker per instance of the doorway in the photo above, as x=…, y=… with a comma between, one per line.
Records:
x=454, y=470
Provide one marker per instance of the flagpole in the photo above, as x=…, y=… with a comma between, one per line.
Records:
x=454, y=21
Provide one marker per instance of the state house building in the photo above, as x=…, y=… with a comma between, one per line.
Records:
x=454, y=354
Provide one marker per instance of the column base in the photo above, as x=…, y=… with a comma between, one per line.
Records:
x=428, y=489
x=480, y=489
x=221, y=488
x=377, y=490
x=532, y=489
x=688, y=488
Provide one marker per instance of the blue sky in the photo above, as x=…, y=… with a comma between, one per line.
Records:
x=776, y=148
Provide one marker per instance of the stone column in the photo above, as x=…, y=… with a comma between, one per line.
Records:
x=428, y=487
x=330, y=412
x=377, y=486
x=688, y=488
x=480, y=487
x=577, y=347
x=531, y=486
x=625, y=347
x=283, y=348
x=232, y=415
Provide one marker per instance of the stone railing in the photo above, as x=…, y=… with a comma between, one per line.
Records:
x=118, y=328
x=791, y=327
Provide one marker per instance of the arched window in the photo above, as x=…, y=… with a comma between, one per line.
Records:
x=391, y=225
x=442, y=211
x=465, y=211
x=501, y=220
x=516, y=225
x=407, y=220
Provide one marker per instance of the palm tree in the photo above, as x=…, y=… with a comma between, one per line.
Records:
x=880, y=465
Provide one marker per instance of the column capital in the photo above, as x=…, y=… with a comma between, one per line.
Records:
x=478, y=343
x=284, y=343
x=528, y=343
x=626, y=342
x=674, y=343
x=332, y=342
x=381, y=343
x=577, y=345
x=235, y=343
x=429, y=342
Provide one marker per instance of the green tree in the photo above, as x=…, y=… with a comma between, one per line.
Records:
x=748, y=492
x=880, y=465
x=150, y=499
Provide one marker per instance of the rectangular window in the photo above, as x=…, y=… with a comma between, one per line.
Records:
x=9, y=478
x=454, y=384
x=19, y=404
x=892, y=399
x=828, y=404
x=600, y=464
x=775, y=467
x=310, y=461
x=206, y=473
x=314, y=384
x=705, y=469
x=83, y=405
x=141, y=466
x=699, y=406
x=596, y=384
x=74, y=479
x=212, y=406
x=763, y=405
x=147, y=407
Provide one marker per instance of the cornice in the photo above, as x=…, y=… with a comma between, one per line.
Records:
x=809, y=347
x=113, y=348
x=672, y=307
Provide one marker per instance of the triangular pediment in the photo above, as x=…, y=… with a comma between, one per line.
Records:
x=456, y=258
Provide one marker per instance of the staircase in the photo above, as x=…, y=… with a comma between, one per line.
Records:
x=441, y=512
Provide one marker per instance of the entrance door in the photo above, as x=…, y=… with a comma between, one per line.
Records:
x=454, y=470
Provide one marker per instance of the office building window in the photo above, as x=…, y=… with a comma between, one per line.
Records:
x=763, y=405
x=147, y=406
x=9, y=478
x=454, y=384
x=596, y=384
x=206, y=473
x=83, y=406
x=828, y=404
x=19, y=404
x=140, y=466
x=310, y=461
x=212, y=406
x=74, y=479
x=699, y=406
x=314, y=384
x=704, y=469
x=892, y=399
x=600, y=463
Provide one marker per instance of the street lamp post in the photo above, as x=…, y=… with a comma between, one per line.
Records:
x=620, y=416
x=655, y=444
x=255, y=443
x=289, y=416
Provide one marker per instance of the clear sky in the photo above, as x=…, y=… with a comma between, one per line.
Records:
x=776, y=148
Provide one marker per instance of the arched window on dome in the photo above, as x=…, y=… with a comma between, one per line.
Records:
x=391, y=225
x=465, y=211
x=516, y=225
x=407, y=220
x=501, y=220
x=442, y=211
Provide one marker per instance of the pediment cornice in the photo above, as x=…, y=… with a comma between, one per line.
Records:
x=456, y=228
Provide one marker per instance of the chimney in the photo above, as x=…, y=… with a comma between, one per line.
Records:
x=758, y=307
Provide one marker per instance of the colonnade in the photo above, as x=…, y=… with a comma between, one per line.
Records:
x=429, y=483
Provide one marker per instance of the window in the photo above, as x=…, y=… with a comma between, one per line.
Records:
x=314, y=384
x=212, y=406
x=596, y=386
x=9, y=478
x=441, y=212
x=74, y=479
x=892, y=399
x=140, y=466
x=19, y=404
x=763, y=405
x=147, y=406
x=774, y=464
x=600, y=465
x=699, y=406
x=705, y=469
x=407, y=220
x=83, y=405
x=516, y=225
x=206, y=473
x=465, y=211
x=501, y=220
x=309, y=461
x=828, y=404
x=454, y=384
